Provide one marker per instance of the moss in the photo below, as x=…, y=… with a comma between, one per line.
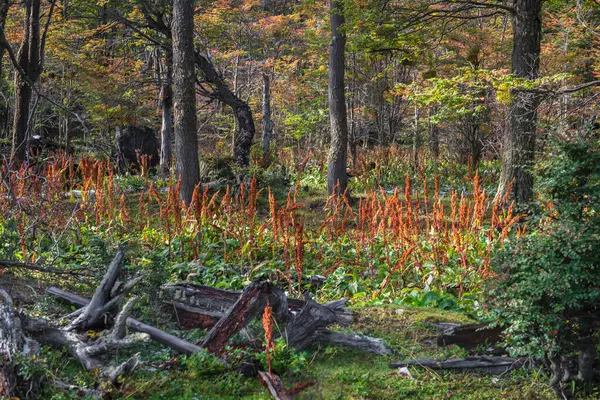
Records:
x=340, y=373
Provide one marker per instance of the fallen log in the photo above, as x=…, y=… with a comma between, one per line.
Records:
x=88, y=352
x=203, y=306
x=300, y=335
x=483, y=364
x=250, y=304
x=309, y=327
x=470, y=336
x=359, y=342
x=308, y=319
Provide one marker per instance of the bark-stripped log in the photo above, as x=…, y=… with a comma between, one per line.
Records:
x=155, y=334
x=484, y=364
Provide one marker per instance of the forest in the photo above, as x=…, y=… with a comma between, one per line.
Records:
x=299, y=199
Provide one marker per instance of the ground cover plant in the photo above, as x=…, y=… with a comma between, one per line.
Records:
x=341, y=199
x=410, y=246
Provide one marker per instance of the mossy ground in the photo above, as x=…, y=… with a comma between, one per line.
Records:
x=339, y=373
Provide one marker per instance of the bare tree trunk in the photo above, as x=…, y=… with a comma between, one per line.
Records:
x=587, y=357
x=28, y=58
x=353, y=139
x=4, y=6
x=266, y=109
x=415, y=140
x=519, y=148
x=184, y=79
x=11, y=343
x=337, y=179
x=166, y=104
x=433, y=138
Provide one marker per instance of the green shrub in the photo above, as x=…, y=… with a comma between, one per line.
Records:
x=284, y=359
x=547, y=294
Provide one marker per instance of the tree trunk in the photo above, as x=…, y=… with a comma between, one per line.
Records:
x=519, y=148
x=266, y=109
x=186, y=140
x=4, y=6
x=433, y=138
x=587, y=357
x=353, y=139
x=415, y=141
x=29, y=62
x=11, y=343
x=166, y=104
x=337, y=179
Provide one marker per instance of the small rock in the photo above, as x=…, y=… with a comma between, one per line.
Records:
x=403, y=371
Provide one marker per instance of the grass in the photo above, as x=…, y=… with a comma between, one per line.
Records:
x=340, y=373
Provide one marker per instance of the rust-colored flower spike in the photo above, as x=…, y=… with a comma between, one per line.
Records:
x=299, y=264
x=273, y=210
x=267, y=322
x=124, y=216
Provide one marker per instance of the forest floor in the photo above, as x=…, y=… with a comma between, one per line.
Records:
x=386, y=269
x=337, y=373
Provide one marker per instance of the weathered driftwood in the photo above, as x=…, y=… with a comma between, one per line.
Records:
x=155, y=334
x=20, y=334
x=484, y=364
x=309, y=327
x=88, y=352
x=94, y=313
x=107, y=296
x=359, y=342
x=470, y=336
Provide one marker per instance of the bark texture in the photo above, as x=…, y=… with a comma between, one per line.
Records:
x=166, y=105
x=184, y=79
x=29, y=62
x=519, y=147
x=4, y=6
x=11, y=342
x=484, y=364
x=266, y=117
x=220, y=91
x=337, y=179
x=155, y=334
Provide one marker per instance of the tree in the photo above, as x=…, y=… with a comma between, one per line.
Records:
x=184, y=96
x=30, y=59
x=4, y=6
x=337, y=178
x=266, y=111
x=519, y=147
x=166, y=105
x=157, y=20
x=241, y=110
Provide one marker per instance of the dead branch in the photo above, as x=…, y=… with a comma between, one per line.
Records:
x=41, y=268
x=155, y=334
